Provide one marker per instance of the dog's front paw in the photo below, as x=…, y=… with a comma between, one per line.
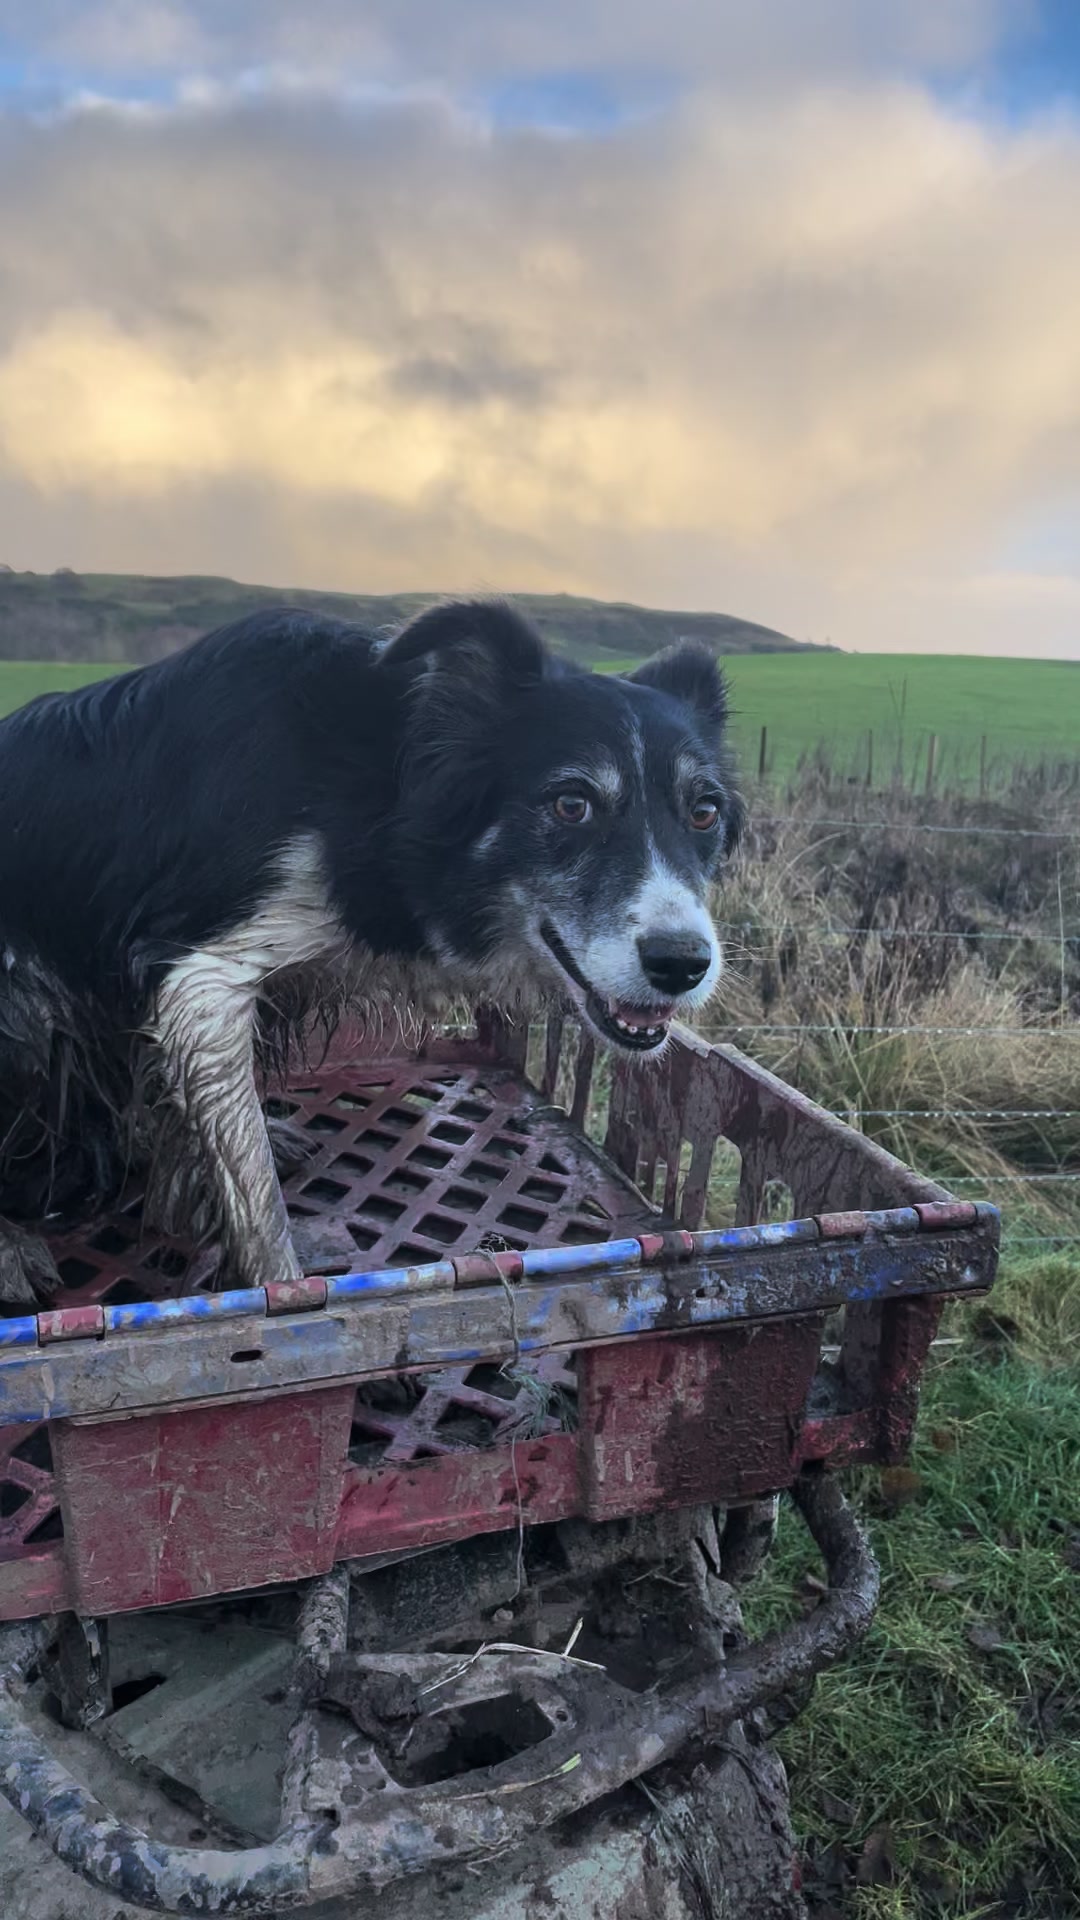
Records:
x=28, y=1275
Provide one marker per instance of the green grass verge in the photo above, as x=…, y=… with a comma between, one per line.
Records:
x=955, y=1727
x=22, y=680
x=1028, y=709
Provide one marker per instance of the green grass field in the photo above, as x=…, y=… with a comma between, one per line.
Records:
x=1028, y=710
x=21, y=680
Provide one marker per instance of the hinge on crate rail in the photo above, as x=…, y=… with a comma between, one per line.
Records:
x=303, y=1295
x=925, y=1216
x=677, y=1245
x=855, y=1225
x=935, y=1215
x=487, y=1269
x=70, y=1323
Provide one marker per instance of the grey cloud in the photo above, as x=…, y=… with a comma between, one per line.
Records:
x=786, y=357
x=471, y=381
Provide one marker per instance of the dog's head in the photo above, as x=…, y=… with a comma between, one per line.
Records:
x=563, y=824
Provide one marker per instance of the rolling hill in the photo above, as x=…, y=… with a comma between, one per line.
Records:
x=126, y=619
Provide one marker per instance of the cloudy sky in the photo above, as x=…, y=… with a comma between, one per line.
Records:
x=770, y=309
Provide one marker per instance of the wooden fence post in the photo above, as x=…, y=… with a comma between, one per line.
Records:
x=761, y=753
x=982, y=768
x=931, y=761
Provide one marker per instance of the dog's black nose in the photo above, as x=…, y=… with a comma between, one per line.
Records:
x=674, y=963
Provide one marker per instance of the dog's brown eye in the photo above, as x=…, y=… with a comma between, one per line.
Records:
x=572, y=809
x=704, y=814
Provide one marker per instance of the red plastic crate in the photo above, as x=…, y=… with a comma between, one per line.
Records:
x=603, y=1356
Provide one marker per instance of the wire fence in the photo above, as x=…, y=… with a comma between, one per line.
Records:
x=1031, y=1032
x=784, y=929
x=977, y=830
x=1040, y=1204
x=958, y=1113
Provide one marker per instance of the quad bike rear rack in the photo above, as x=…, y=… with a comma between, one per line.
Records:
x=542, y=1341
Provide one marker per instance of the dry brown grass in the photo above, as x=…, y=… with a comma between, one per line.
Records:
x=974, y=956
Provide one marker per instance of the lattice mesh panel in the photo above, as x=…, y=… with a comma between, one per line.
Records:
x=407, y=1165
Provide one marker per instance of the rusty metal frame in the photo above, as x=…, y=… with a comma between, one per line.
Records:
x=348, y=1826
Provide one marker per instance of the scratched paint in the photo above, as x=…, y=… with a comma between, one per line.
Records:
x=414, y=1329
x=539, y=1263
x=19, y=1333
x=354, y=1288
x=144, y=1316
x=747, y=1239
x=542, y=1261
x=385, y=1332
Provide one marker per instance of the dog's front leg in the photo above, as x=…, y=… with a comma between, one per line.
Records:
x=204, y=1029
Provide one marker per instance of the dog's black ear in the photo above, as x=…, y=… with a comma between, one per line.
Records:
x=690, y=673
x=482, y=659
x=483, y=642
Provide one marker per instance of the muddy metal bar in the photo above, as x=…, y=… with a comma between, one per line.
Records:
x=341, y=1839
x=430, y=1317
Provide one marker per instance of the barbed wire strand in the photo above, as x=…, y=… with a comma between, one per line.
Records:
x=916, y=826
x=850, y=1027
x=1007, y=1179
x=954, y=1113
x=1043, y=1239
x=747, y=928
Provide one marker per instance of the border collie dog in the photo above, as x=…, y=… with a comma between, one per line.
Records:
x=292, y=817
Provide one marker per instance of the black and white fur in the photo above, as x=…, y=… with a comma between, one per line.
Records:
x=290, y=817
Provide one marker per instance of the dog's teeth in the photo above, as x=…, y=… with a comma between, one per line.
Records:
x=635, y=1029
